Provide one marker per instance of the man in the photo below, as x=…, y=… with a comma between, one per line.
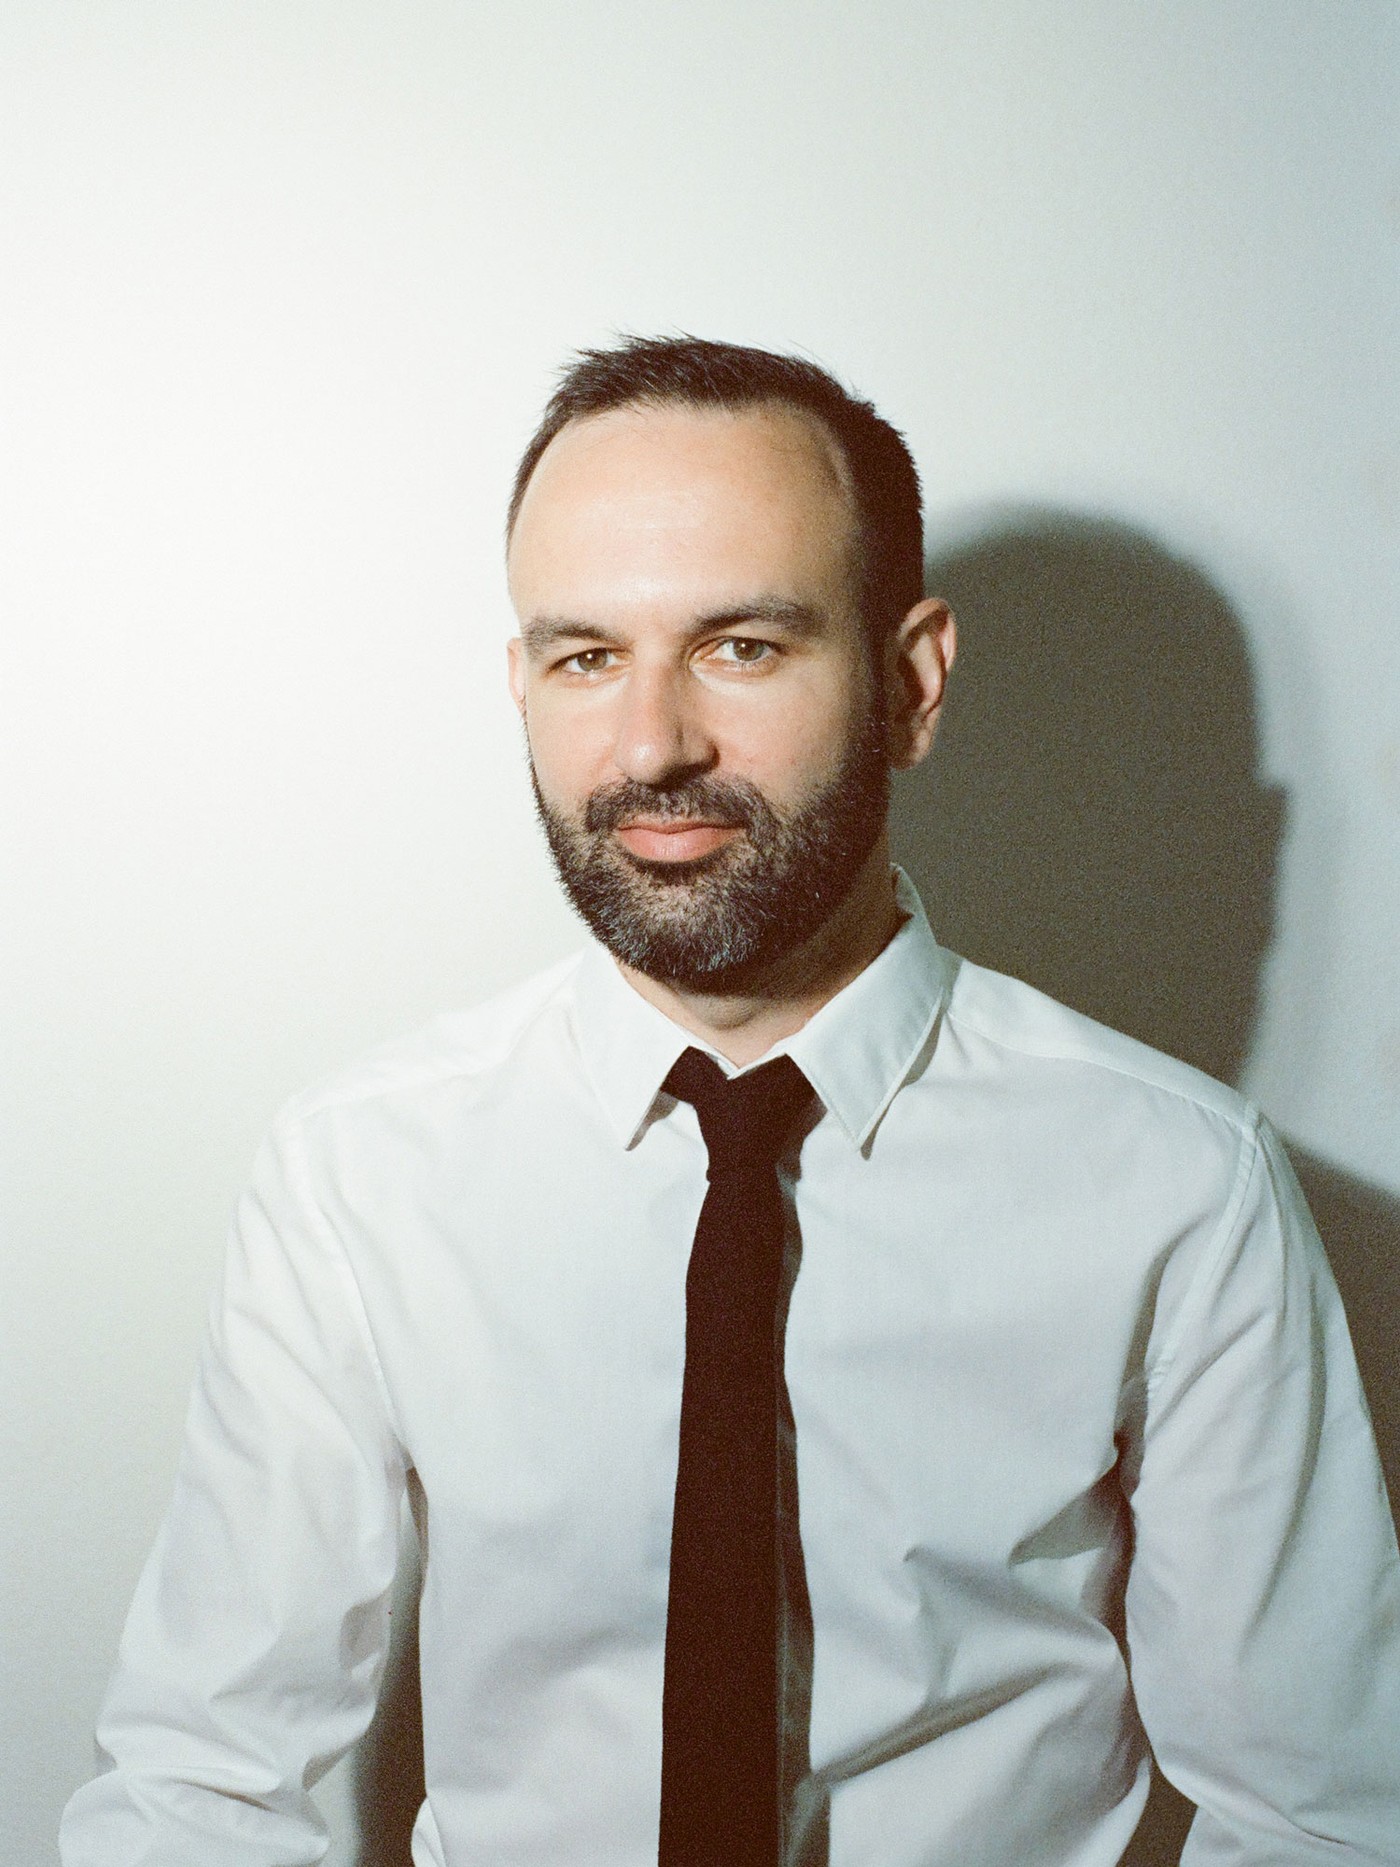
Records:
x=990, y=1416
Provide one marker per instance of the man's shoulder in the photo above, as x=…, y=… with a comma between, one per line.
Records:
x=454, y=1047
x=1023, y=1022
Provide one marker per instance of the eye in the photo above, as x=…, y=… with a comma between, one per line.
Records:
x=743, y=651
x=587, y=661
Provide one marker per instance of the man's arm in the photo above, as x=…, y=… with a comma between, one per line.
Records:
x=1263, y=1601
x=254, y=1647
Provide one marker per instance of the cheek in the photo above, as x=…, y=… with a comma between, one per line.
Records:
x=567, y=748
x=802, y=747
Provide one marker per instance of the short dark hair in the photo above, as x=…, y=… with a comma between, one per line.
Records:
x=699, y=373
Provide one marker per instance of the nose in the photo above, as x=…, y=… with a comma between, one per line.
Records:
x=661, y=734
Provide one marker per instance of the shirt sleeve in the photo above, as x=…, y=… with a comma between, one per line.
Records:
x=254, y=1648
x=1263, y=1601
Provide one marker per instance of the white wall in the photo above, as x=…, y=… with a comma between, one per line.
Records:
x=284, y=287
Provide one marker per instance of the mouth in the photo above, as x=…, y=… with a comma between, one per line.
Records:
x=674, y=841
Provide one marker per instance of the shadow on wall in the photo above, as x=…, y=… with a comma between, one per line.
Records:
x=389, y=1763
x=1092, y=822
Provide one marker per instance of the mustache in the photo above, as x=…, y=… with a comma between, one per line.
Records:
x=730, y=801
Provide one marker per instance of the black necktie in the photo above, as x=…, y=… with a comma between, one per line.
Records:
x=720, y=1727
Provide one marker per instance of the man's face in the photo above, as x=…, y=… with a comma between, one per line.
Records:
x=707, y=742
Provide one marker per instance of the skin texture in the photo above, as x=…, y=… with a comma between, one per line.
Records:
x=685, y=581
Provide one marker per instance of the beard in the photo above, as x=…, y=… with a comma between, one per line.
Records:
x=717, y=923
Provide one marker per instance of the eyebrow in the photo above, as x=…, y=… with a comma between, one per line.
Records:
x=542, y=632
x=774, y=612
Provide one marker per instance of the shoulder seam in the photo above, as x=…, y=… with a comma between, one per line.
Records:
x=1242, y=1117
x=320, y=1100
x=318, y=1219
x=1250, y=1155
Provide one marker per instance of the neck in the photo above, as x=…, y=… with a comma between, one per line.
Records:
x=743, y=1025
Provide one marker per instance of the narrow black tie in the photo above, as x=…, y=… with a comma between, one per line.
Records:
x=720, y=1746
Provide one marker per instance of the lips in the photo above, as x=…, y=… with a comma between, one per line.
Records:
x=674, y=841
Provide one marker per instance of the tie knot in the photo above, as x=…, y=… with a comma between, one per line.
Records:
x=746, y=1120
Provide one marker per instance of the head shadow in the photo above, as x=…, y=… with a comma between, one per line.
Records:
x=1092, y=819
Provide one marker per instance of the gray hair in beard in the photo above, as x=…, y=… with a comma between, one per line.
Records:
x=716, y=923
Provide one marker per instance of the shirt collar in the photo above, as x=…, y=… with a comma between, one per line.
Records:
x=856, y=1051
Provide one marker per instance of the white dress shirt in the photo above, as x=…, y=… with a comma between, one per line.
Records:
x=1081, y=1452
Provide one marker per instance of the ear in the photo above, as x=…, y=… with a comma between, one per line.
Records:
x=515, y=673
x=918, y=657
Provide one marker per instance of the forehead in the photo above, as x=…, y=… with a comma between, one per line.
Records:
x=714, y=503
